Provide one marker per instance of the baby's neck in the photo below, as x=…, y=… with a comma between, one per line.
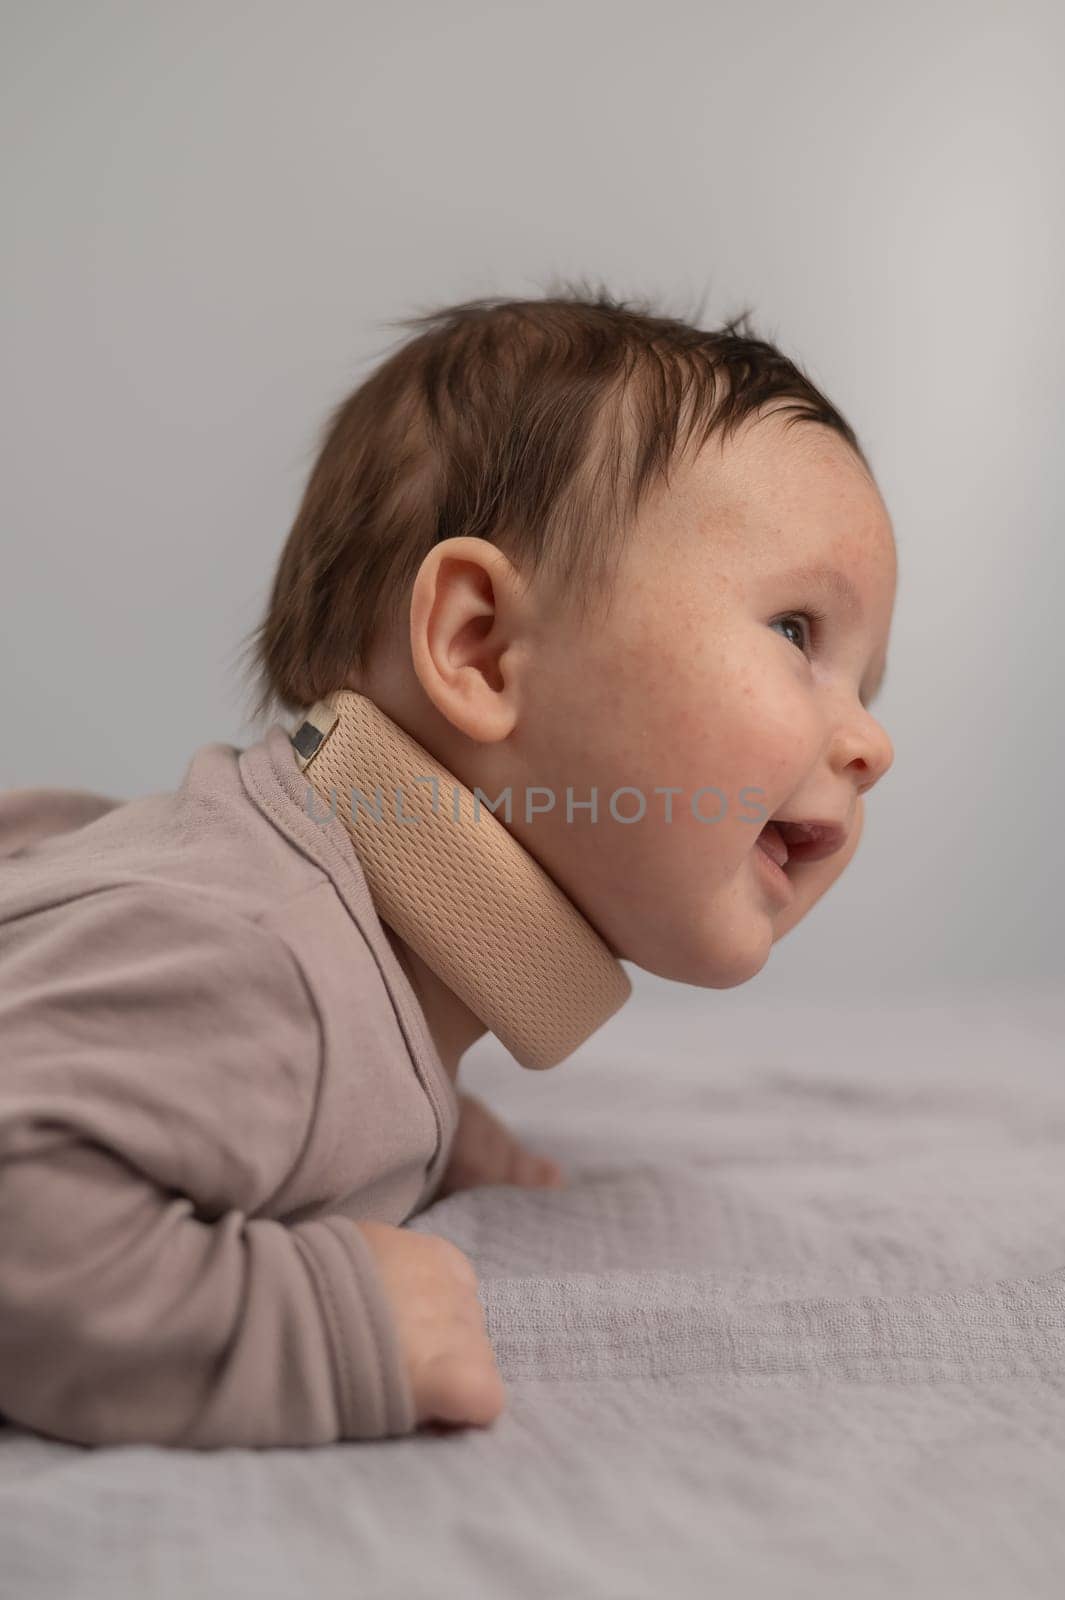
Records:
x=453, y=1026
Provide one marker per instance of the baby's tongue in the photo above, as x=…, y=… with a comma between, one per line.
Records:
x=772, y=842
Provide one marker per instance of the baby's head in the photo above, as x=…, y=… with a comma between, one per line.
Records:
x=576, y=548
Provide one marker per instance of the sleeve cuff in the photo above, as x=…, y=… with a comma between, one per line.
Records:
x=375, y=1397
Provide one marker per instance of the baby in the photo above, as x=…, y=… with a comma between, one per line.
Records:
x=636, y=575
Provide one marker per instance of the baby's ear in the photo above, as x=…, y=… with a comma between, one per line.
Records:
x=464, y=619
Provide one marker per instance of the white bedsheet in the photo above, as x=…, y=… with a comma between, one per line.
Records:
x=795, y=1329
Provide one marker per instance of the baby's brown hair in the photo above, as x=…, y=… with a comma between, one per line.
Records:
x=538, y=425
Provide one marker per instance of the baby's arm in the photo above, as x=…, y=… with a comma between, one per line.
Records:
x=155, y=1090
x=126, y=1318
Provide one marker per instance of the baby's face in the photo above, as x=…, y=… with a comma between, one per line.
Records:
x=705, y=674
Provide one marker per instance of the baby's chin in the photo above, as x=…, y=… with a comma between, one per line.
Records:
x=721, y=956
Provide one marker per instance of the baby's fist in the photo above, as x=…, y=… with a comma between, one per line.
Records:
x=484, y=1151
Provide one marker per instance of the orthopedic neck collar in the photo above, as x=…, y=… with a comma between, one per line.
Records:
x=457, y=887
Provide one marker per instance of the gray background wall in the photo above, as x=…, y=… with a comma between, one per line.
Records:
x=213, y=210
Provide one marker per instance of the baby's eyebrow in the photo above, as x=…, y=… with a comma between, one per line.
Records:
x=832, y=581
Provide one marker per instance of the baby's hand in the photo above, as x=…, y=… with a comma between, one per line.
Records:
x=431, y=1286
x=484, y=1151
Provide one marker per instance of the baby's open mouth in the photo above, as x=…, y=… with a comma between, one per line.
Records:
x=784, y=840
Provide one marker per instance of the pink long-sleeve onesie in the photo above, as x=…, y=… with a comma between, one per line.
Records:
x=211, y=1065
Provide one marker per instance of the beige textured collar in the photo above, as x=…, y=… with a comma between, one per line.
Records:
x=457, y=886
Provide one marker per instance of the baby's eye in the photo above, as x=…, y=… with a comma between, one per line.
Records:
x=808, y=621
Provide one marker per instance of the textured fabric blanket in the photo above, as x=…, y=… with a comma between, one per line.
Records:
x=796, y=1327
